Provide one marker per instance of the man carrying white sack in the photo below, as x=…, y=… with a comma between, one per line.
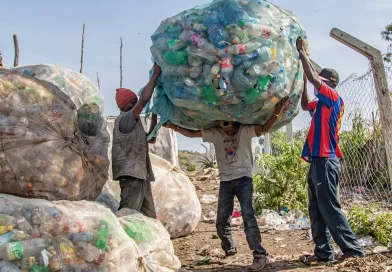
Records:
x=233, y=148
x=130, y=160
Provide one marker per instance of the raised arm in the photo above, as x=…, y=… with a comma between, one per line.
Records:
x=147, y=92
x=309, y=71
x=183, y=131
x=305, y=95
x=259, y=129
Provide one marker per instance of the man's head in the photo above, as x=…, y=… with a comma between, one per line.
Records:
x=229, y=127
x=126, y=99
x=330, y=77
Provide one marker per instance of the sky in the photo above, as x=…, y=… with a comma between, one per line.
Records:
x=49, y=32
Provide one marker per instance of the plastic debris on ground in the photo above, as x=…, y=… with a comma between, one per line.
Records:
x=365, y=241
x=228, y=60
x=152, y=239
x=64, y=236
x=53, y=136
x=294, y=219
x=208, y=199
x=176, y=202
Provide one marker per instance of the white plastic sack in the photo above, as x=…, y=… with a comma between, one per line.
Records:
x=153, y=240
x=175, y=198
x=65, y=235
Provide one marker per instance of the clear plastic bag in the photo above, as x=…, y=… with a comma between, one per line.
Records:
x=152, y=239
x=64, y=235
x=45, y=149
x=228, y=60
x=176, y=202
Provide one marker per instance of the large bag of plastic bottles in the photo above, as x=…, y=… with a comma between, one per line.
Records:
x=228, y=60
x=45, y=150
x=38, y=235
x=176, y=202
x=152, y=239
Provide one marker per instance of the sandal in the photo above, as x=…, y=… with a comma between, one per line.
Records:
x=311, y=260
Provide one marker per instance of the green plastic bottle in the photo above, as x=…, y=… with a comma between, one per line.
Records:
x=176, y=57
x=37, y=268
x=253, y=94
x=208, y=95
x=102, y=235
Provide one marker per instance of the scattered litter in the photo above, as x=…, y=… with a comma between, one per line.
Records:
x=365, y=241
x=300, y=223
x=236, y=222
x=208, y=199
x=380, y=249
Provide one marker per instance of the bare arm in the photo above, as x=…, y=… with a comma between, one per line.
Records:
x=183, y=131
x=147, y=92
x=305, y=96
x=310, y=72
x=259, y=129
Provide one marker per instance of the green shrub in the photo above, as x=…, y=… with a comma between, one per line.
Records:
x=191, y=168
x=284, y=182
x=208, y=162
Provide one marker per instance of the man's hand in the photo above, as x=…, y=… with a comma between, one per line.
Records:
x=152, y=140
x=157, y=69
x=280, y=105
x=169, y=125
x=300, y=44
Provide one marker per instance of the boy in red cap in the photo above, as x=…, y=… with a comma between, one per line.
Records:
x=130, y=160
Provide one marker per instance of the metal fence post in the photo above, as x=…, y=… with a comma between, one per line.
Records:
x=289, y=133
x=381, y=85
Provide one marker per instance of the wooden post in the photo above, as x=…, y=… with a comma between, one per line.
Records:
x=16, y=46
x=1, y=61
x=82, y=51
x=380, y=80
x=121, y=46
x=99, y=86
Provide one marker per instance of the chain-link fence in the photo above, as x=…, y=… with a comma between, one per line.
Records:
x=365, y=176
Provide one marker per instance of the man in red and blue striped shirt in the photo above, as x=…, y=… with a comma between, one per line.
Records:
x=322, y=151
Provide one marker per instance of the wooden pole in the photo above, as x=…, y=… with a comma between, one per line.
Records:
x=1, y=61
x=99, y=86
x=121, y=47
x=82, y=51
x=16, y=46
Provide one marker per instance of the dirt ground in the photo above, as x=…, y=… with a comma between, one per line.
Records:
x=200, y=251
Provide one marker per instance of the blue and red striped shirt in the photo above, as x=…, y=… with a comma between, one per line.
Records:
x=323, y=136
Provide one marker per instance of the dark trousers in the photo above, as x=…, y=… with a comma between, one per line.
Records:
x=136, y=194
x=243, y=189
x=325, y=212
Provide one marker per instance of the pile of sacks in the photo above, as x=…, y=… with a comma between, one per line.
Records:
x=53, y=137
x=228, y=60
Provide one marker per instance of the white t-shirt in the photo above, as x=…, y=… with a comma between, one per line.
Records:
x=233, y=152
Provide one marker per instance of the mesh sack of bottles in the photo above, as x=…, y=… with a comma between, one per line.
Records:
x=43, y=153
x=228, y=60
x=176, y=202
x=38, y=235
x=152, y=239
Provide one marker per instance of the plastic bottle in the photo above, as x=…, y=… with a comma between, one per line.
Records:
x=253, y=94
x=8, y=267
x=239, y=32
x=81, y=237
x=216, y=31
x=89, y=253
x=71, y=227
x=194, y=72
x=157, y=55
x=227, y=67
x=264, y=69
x=216, y=82
x=36, y=216
x=209, y=95
x=18, y=250
x=234, y=39
x=23, y=224
x=242, y=82
x=176, y=57
x=5, y=238
x=243, y=48
x=35, y=232
x=102, y=235
x=28, y=263
x=193, y=50
x=175, y=70
x=262, y=31
x=273, y=50
x=5, y=229
x=191, y=83
x=213, y=72
x=38, y=268
x=195, y=61
x=17, y=235
x=196, y=39
x=234, y=13
x=262, y=54
x=6, y=220
x=180, y=94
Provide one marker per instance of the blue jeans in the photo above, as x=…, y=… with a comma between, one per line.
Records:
x=326, y=216
x=243, y=189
